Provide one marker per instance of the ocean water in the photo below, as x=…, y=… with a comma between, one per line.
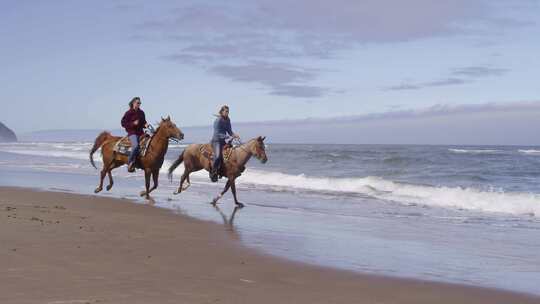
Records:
x=468, y=215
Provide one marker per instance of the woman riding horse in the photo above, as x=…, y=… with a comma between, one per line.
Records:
x=134, y=121
x=222, y=128
x=150, y=162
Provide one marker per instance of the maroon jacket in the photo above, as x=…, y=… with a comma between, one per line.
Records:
x=128, y=122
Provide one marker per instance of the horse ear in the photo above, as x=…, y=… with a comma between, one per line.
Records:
x=162, y=119
x=168, y=117
x=263, y=138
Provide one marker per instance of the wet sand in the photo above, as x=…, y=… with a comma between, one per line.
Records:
x=67, y=248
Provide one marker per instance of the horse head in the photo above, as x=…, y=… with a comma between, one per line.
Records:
x=257, y=148
x=170, y=128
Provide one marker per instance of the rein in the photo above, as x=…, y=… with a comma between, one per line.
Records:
x=241, y=146
x=155, y=133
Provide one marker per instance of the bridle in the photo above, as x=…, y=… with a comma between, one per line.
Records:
x=241, y=145
x=153, y=132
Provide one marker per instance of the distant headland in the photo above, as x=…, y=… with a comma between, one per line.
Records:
x=6, y=134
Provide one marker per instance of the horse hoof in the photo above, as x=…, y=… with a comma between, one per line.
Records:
x=216, y=199
x=176, y=192
x=143, y=193
x=109, y=187
x=239, y=205
x=98, y=190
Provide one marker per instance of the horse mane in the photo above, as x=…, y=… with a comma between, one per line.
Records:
x=158, y=126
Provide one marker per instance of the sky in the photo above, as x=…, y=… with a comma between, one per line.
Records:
x=76, y=64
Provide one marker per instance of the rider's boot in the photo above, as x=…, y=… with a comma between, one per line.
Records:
x=131, y=167
x=213, y=175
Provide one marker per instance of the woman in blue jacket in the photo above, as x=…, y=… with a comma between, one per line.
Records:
x=222, y=130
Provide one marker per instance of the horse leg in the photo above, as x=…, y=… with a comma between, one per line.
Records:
x=102, y=175
x=111, y=182
x=184, y=177
x=155, y=177
x=109, y=173
x=147, y=174
x=227, y=186
x=233, y=189
x=188, y=184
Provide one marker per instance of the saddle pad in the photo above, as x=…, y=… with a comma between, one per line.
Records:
x=123, y=146
x=207, y=151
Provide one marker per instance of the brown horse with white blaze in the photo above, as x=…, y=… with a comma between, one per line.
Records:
x=194, y=160
x=151, y=162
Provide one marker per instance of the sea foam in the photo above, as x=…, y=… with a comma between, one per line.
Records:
x=453, y=197
x=475, y=151
x=530, y=152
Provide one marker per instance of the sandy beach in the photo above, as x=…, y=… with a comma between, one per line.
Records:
x=67, y=248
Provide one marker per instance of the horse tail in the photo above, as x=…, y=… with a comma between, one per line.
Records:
x=100, y=139
x=176, y=163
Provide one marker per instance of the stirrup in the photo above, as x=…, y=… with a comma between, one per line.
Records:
x=213, y=177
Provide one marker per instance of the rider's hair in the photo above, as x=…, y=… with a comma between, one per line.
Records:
x=223, y=108
x=133, y=101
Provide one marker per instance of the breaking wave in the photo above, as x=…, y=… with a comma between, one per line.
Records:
x=475, y=151
x=530, y=152
x=456, y=197
x=452, y=197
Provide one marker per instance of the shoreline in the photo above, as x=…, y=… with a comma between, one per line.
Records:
x=91, y=249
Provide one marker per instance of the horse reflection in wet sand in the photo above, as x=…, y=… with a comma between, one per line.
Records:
x=232, y=168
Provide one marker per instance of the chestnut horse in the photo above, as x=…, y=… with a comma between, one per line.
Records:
x=194, y=160
x=151, y=162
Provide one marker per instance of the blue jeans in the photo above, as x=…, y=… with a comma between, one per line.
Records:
x=217, y=146
x=134, y=140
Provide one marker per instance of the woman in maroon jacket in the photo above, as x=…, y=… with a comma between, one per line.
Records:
x=134, y=121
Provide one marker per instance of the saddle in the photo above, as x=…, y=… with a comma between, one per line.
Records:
x=123, y=146
x=207, y=151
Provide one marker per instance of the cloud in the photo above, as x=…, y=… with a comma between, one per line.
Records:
x=240, y=31
x=301, y=91
x=481, y=124
x=302, y=27
x=479, y=71
x=188, y=58
x=423, y=85
x=281, y=79
x=448, y=110
x=264, y=73
x=125, y=6
x=457, y=78
x=435, y=111
x=403, y=87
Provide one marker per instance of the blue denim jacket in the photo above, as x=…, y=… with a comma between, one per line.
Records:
x=222, y=128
